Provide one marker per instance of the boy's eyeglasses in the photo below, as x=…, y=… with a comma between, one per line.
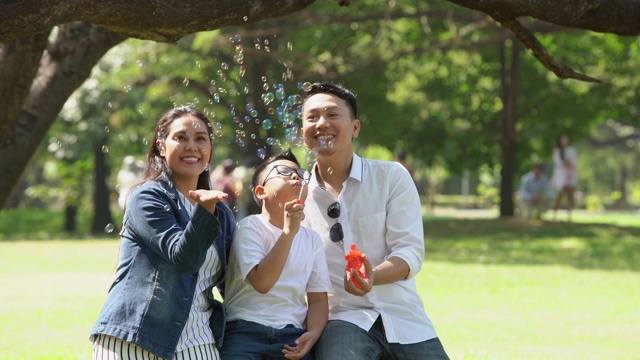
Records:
x=285, y=170
x=335, y=233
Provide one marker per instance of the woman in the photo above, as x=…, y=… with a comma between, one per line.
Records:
x=565, y=178
x=174, y=248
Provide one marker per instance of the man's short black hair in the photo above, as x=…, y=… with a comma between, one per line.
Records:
x=335, y=89
x=257, y=174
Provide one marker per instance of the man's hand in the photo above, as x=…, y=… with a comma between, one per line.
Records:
x=366, y=285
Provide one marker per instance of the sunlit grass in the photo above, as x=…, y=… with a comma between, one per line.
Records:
x=51, y=294
x=495, y=289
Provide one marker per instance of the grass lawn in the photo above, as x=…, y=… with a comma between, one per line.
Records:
x=495, y=289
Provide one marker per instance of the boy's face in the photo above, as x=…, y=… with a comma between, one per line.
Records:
x=281, y=183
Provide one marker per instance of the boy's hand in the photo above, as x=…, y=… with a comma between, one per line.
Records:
x=293, y=216
x=302, y=347
x=207, y=198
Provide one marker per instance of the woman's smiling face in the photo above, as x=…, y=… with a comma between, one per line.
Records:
x=187, y=148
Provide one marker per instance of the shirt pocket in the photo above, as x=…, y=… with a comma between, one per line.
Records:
x=371, y=236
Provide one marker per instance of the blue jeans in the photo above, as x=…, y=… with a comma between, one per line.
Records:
x=344, y=340
x=252, y=341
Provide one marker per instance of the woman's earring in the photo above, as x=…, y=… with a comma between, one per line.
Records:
x=207, y=168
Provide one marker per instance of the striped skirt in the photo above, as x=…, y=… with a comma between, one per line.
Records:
x=111, y=348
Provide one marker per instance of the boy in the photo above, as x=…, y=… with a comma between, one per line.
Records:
x=274, y=263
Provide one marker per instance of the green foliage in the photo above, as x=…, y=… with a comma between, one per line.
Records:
x=426, y=82
x=377, y=152
x=45, y=224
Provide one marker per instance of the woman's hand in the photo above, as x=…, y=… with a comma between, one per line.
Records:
x=207, y=198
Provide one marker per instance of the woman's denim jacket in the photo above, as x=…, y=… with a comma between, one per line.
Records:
x=161, y=250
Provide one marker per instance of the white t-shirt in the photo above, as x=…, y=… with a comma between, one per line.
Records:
x=380, y=212
x=285, y=304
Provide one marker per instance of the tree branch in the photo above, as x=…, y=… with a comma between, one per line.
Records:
x=540, y=52
x=161, y=20
x=608, y=16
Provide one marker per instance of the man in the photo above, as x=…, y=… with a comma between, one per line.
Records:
x=374, y=205
x=535, y=192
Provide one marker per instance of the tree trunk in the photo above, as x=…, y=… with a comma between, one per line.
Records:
x=510, y=89
x=624, y=176
x=102, y=220
x=70, y=212
x=19, y=61
x=63, y=68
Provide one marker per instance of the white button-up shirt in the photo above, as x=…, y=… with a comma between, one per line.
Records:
x=380, y=212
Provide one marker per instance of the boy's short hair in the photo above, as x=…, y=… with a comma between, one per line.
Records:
x=256, y=180
x=335, y=89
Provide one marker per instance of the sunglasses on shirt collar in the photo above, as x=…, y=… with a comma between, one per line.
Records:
x=335, y=233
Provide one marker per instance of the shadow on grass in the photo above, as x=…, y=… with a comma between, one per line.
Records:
x=517, y=241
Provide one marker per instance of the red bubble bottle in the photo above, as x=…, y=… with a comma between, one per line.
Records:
x=354, y=261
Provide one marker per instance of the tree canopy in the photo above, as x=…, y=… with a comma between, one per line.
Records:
x=433, y=65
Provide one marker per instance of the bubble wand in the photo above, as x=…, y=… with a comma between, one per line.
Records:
x=307, y=174
x=305, y=179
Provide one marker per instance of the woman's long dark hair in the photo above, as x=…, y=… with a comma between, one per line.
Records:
x=156, y=165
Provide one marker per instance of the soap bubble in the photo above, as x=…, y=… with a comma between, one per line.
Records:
x=271, y=141
x=267, y=124
x=249, y=107
x=254, y=113
x=109, y=228
x=294, y=99
x=280, y=93
x=311, y=157
x=291, y=136
x=267, y=98
x=289, y=119
x=262, y=153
